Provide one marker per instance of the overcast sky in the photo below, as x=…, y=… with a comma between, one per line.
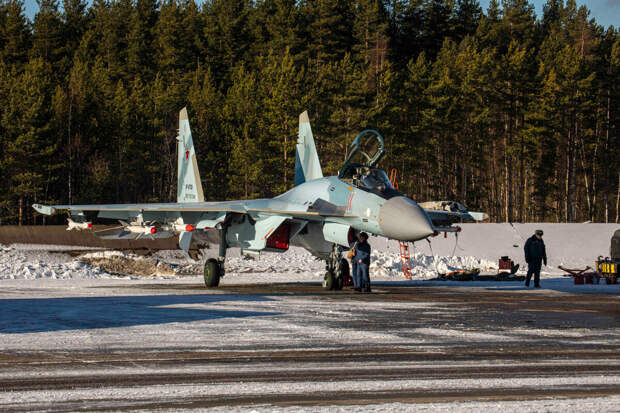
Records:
x=606, y=12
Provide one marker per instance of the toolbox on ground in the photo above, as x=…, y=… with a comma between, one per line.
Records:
x=506, y=265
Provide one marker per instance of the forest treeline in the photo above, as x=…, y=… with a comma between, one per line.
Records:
x=502, y=110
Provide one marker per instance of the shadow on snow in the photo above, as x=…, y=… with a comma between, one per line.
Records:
x=35, y=315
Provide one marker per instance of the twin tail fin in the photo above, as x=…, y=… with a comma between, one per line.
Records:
x=189, y=187
x=307, y=165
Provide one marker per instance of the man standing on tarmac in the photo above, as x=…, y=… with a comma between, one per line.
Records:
x=362, y=258
x=535, y=253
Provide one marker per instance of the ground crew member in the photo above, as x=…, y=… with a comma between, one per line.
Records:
x=535, y=253
x=362, y=257
x=356, y=278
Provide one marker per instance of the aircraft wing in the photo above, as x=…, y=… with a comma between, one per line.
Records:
x=153, y=207
x=259, y=206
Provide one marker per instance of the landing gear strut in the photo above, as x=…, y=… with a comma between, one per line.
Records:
x=214, y=268
x=335, y=270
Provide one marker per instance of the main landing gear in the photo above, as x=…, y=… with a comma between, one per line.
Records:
x=214, y=268
x=337, y=270
x=213, y=271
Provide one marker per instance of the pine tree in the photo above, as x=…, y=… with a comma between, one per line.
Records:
x=75, y=22
x=227, y=37
x=329, y=30
x=28, y=156
x=277, y=25
x=15, y=38
x=281, y=104
x=404, y=32
x=48, y=33
x=140, y=39
x=467, y=15
x=241, y=113
x=212, y=145
x=370, y=33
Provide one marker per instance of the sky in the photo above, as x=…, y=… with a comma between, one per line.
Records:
x=606, y=12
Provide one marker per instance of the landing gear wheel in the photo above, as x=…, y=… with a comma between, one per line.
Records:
x=339, y=283
x=212, y=273
x=329, y=281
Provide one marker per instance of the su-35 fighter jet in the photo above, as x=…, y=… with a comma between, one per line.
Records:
x=319, y=213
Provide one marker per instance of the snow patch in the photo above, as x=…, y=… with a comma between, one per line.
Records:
x=21, y=264
x=388, y=265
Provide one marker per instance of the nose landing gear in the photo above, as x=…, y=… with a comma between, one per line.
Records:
x=337, y=273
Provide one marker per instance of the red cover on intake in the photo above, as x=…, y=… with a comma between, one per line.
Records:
x=280, y=237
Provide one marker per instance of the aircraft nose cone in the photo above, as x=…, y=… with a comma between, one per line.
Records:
x=402, y=219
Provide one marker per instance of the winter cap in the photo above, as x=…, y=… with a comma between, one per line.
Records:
x=539, y=232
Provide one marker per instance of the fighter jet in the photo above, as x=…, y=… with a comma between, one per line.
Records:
x=321, y=214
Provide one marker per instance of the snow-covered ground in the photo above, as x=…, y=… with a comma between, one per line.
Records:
x=116, y=344
x=74, y=337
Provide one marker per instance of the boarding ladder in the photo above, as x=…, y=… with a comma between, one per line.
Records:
x=405, y=258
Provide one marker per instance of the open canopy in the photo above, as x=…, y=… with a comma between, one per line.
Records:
x=360, y=166
x=365, y=152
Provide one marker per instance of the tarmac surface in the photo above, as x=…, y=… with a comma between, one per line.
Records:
x=307, y=347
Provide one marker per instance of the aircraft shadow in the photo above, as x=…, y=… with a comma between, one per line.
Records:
x=36, y=315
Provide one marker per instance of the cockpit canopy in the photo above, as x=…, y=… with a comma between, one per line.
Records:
x=359, y=168
x=366, y=151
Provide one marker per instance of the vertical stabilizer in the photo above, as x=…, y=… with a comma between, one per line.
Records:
x=189, y=187
x=307, y=165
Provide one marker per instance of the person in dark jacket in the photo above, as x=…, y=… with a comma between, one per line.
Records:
x=362, y=258
x=535, y=254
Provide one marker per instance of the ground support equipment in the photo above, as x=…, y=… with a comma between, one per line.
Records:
x=608, y=269
x=405, y=260
x=461, y=275
x=582, y=276
x=506, y=267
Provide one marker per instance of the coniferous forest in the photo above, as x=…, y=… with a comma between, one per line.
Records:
x=505, y=111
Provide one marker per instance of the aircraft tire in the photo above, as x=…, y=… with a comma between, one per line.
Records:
x=329, y=281
x=339, y=283
x=212, y=273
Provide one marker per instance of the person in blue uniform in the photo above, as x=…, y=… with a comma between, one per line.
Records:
x=362, y=258
x=535, y=254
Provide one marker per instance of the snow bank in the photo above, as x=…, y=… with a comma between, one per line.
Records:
x=33, y=264
x=387, y=264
